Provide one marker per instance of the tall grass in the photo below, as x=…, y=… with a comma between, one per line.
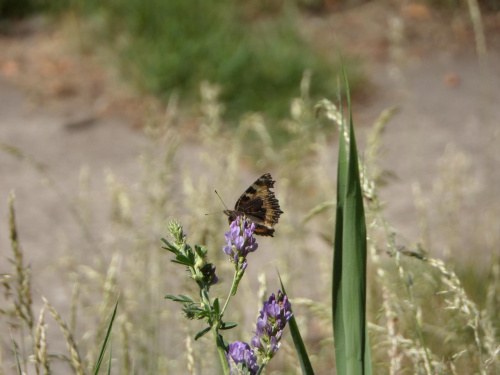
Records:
x=422, y=319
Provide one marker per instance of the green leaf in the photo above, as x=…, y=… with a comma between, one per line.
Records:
x=182, y=259
x=201, y=333
x=166, y=242
x=200, y=250
x=352, y=351
x=216, y=306
x=169, y=246
x=228, y=325
x=186, y=298
x=191, y=258
x=300, y=347
x=182, y=298
x=106, y=340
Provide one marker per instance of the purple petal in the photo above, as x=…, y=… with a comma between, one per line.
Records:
x=274, y=345
x=228, y=250
x=256, y=343
x=239, y=242
x=253, y=247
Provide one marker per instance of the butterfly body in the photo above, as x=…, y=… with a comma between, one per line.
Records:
x=258, y=205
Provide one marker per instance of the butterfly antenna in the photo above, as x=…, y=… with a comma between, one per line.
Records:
x=217, y=212
x=221, y=200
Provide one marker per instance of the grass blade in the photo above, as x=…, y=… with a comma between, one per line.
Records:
x=18, y=365
x=106, y=340
x=305, y=364
x=337, y=305
x=110, y=358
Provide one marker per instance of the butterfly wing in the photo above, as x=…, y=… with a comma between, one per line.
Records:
x=260, y=205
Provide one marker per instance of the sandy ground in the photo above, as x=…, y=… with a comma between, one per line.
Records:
x=442, y=129
x=47, y=225
x=448, y=99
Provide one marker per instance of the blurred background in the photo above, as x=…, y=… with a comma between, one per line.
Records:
x=116, y=117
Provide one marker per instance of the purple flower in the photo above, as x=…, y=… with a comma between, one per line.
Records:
x=240, y=241
x=270, y=324
x=241, y=356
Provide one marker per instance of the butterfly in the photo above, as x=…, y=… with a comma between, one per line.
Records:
x=258, y=205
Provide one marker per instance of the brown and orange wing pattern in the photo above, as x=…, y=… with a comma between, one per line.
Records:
x=259, y=205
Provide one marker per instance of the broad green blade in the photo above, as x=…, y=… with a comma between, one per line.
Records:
x=349, y=278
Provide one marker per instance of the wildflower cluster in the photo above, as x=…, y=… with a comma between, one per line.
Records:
x=240, y=242
x=270, y=324
x=274, y=315
x=239, y=357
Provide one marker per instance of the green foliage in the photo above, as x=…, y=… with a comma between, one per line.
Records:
x=172, y=46
x=18, y=8
x=352, y=351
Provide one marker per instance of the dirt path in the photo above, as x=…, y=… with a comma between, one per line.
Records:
x=48, y=227
x=446, y=136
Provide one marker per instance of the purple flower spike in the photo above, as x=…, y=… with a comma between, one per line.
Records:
x=274, y=315
x=241, y=356
x=240, y=241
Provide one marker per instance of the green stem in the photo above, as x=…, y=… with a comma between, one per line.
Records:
x=220, y=348
x=264, y=363
x=236, y=280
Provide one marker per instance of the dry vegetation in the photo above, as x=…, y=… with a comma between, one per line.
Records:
x=423, y=320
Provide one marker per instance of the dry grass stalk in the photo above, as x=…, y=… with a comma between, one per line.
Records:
x=41, y=344
x=75, y=294
x=74, y=358
x=391, y=319
x=23, y=300
x=190, y=356
x=477, y=22
x=456, y=299
x=127, y=360
x=423, y=221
